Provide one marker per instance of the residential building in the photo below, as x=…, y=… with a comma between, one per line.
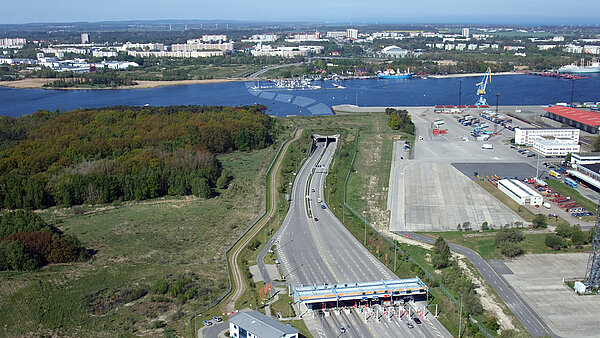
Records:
x=465, y=33
x=546, y=47
x=214, y=38
x=85, y=38
x=316, y=36
x=12, y=43
x=352, y=33
x=196, y=45
x=159, y=54
x=262, y=38
x=573, y=49
x=336, y=35
x=253, y=324
x=104, y=53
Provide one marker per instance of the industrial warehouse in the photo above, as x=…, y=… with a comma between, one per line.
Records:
x=581, y=119
x=519, y=192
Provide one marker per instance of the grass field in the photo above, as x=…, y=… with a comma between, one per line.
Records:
x=484, y=243
x=137, y=244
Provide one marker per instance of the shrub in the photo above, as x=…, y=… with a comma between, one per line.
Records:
x=161, y=287
x=540, y=221
x=511, y=235
x=554, y=241
x=510, y=249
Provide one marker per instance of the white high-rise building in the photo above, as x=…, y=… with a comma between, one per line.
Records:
x=352, y=33
x=465, y=33
x=85, y=38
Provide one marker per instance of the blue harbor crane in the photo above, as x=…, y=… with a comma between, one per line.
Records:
x=481, y=86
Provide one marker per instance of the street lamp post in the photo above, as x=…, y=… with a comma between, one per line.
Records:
x=572, y=90
x=365, y=217
x=497, y=95
x=460, y=92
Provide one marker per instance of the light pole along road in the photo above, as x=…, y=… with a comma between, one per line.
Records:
x=314, y=247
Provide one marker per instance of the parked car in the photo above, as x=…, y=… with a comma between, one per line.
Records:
x=323, y=206
x=207, y=323
x=342, y=329
x=217, y=319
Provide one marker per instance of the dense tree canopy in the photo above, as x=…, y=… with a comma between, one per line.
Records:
x=27, y=242
x=126, y=153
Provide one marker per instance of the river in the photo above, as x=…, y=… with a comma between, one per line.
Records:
x=513, y=89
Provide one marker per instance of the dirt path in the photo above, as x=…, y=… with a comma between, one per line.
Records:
x=238, y=277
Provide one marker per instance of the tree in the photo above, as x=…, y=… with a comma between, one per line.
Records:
x=512, y=235
x=201, y=188
x=563, y=230
x=441, y=254
x=577, y=236
x=540, y=221
x=223, y=179
x=510, y=249
x=554, y=241
x=18, y=258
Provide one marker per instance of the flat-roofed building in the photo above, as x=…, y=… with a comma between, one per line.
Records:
x=252, y=324
x=526, y=136
x=585, y=158
x=519, y=192
x=550, y=146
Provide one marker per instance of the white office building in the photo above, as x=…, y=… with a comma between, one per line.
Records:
x=526, y=136
x=520, y=192
x=253, y=324
x=550, y=146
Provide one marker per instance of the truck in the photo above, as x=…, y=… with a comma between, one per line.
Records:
x=487, y=146
x=554, y=174
x=546, y=205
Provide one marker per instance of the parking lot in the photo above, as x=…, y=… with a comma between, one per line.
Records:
x=428, y=193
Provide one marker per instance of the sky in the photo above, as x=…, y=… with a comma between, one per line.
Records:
x=550, y=12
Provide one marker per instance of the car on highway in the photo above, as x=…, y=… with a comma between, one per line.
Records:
x=417, y=320
x=342, y=329
x=207, y=323
x=217, y=319
x=323, y=206
x=410, y=326
x=316, y=219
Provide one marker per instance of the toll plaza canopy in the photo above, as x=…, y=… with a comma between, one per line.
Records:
x=359, y=291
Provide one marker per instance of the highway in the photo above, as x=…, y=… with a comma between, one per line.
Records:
x=318, y=249
x=530, y=319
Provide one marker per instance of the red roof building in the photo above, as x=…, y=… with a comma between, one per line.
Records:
x=585, y=120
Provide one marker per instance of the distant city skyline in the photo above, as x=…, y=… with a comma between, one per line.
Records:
x=538, y=12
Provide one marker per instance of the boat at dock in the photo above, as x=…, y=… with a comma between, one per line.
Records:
x=590, y=67
x=394, y=74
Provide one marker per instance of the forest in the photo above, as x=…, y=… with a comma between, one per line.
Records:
x=123, y=153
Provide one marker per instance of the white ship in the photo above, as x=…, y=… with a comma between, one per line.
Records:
x=591, y=67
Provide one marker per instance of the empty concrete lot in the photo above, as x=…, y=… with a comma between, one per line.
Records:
x=538, y=279
x=427, y=193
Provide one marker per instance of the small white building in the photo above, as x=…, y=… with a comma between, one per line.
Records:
x=587, y=158
x=252, y=324
x=526, y=136
x=549, y=146
x=519, y=192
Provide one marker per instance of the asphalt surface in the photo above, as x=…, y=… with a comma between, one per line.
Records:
x=322, y=250
x=530, y=319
